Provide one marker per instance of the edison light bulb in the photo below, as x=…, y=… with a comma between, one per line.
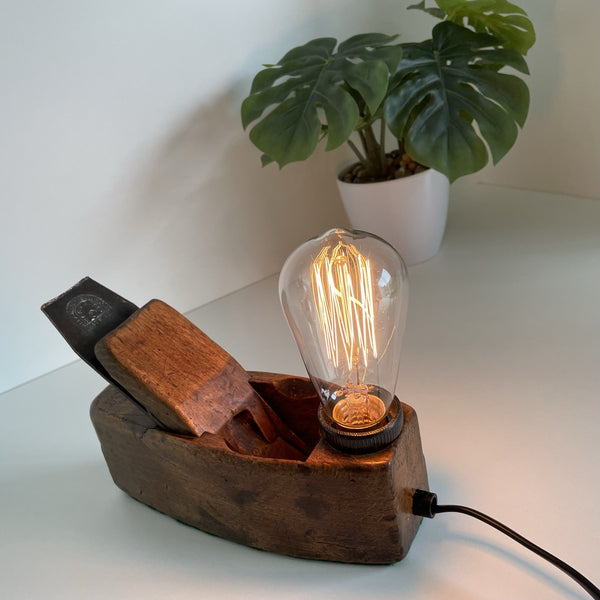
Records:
x=344, y=295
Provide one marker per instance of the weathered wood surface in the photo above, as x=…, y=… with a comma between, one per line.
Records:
x=189, y=383
x=329, y=506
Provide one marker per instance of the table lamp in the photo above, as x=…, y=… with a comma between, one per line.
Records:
x=329, y=468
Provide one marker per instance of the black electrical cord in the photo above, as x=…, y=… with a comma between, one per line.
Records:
x=425, y=505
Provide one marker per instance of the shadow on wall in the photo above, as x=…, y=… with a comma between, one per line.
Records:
x=204, y=195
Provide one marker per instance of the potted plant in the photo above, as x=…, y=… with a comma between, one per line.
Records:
x=447, y=101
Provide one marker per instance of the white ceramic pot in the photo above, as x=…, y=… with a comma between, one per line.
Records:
x=409, y=213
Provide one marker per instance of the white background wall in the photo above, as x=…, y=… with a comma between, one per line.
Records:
x=123, y=158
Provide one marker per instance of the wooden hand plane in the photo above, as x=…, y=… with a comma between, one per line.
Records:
x=186, y=430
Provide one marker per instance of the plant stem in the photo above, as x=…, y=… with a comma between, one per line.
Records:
x=401, y=147
x=373, y=151
x=369, y=163
x=356, y=151
x=365, y=146
x=382, y=144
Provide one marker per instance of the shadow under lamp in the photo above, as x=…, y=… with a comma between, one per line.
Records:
x=345, y=295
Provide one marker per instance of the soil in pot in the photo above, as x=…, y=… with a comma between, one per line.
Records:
x=399, y=164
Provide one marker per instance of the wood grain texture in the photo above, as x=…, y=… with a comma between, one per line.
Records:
x=181, y=376
x=330, y=506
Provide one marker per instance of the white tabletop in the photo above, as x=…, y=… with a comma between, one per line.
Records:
x=501, y=361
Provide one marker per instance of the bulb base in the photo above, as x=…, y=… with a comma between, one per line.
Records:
x=363, y=441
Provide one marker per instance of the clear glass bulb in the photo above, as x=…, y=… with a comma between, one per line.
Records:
x=345, y=295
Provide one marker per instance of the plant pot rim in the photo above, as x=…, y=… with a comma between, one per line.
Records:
x=383, y=182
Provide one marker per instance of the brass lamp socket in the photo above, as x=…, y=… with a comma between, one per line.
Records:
x=363, y=441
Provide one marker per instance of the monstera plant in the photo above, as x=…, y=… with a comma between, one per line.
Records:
x=449, y=100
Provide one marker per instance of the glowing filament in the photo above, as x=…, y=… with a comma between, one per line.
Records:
x=343, y=295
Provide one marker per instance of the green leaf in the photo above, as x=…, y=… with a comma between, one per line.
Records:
x=500, y=18
x=341, y=114
x=290, y=132
x=438, y=13
x=253, y=105
x=315, y=91
x=321, y=48
x=370, y=80
x=446, y=85
x=373, y=46
x=265, y=160
x=362, y=44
